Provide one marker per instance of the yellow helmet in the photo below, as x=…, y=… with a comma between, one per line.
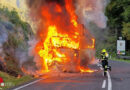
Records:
x=104, y=50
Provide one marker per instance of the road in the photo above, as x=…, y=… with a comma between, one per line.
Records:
x=118, y=79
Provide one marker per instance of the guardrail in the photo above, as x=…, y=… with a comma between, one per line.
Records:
x=124, y=57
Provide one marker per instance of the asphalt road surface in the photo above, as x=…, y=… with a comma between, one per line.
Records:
x=117, y=79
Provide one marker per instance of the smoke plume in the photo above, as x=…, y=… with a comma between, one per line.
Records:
x=92, y=11
x=87, y=10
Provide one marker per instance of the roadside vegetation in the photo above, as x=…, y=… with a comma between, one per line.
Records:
x=122, y=60
x=118, y=14
x=14, y=36
x=11, y=81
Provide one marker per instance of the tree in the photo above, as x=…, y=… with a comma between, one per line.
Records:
x=113, y=12
x=118, y=13
x=126, y=30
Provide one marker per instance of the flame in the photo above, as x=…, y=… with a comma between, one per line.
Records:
x=82, y=69
x=19, y=76
x=93, y=44
x=58, y=35
x=55, y=40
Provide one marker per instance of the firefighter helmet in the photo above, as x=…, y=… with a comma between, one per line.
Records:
x=104, y=50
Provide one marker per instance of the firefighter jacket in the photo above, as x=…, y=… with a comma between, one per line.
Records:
x=104, y=56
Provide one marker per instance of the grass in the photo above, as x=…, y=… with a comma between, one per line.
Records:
x=11, y=81
x=122, y=60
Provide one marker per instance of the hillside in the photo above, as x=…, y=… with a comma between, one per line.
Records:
x=14, y=36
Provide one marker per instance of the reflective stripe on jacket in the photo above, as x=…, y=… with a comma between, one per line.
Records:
x=104, y=56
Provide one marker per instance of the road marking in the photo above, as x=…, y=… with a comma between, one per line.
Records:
x=28, y=84
x=109, y=81
x=104, y=84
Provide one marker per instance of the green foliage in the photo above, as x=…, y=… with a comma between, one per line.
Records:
x=12, y=15
x=26, y=29
x=128, y=53
x=126, y=14
x=15, y=19
x=118, y=13
x=18, y=36
x=109, y=45
x=4, y=11
x=122, y=60
x=113, y=12
x=13, y=80
x=126, y=30
x=13, y=41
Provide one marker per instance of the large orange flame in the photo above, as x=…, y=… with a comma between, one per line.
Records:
x=61, y=30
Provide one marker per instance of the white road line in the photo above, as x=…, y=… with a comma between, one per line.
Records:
x=109, y=81
x=104, y=84
x=28, y=84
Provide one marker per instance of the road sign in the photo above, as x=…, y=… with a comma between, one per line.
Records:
x=121, y=47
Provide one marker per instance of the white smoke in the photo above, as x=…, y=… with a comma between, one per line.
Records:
x=3, y=35
x=22, y=56
x=3, y=38
x=92, y=11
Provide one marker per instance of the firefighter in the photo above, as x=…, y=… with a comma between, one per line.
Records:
x=104, y=60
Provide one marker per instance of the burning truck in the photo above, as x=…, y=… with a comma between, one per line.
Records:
x=63, y=43
x=65, y=54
